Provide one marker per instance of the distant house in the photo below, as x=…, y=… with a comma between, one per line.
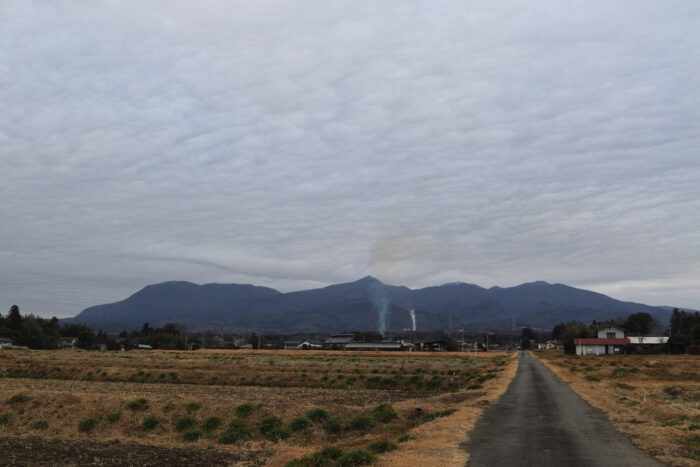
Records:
x=68, y=343
x=383, y=346
x=303, y=345
x=5, y=343
x=337, y=341
x=611, y=340
x=599, y=346
x=436, y=345
x=549, y=345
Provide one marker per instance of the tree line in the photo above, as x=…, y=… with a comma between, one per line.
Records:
x=39, y=333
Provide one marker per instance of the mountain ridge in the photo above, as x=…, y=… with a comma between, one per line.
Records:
x=358, y=305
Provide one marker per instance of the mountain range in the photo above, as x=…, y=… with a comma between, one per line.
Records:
x=366, y=304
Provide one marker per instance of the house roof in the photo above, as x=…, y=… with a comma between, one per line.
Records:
x=599, y=341
x=338, y=340
x=373, y=345
x=5, y=340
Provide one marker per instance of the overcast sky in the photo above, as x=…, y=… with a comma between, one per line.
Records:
x=295, y=144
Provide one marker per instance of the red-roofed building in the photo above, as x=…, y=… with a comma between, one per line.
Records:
x=609, y=341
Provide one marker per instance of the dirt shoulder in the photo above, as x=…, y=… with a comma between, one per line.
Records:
x=439, y=442
x=652, y=399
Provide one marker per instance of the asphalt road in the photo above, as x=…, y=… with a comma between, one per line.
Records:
x=540, y=421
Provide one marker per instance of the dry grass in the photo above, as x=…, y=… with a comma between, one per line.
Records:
x=653, y=399
x=75, y=396
x=439, y=443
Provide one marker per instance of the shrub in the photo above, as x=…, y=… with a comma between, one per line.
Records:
x=185, y=423
x=317, y=415
x=40, y=425
x=381, y=446
x=211, y=423
x=137, y=404
x=169, y=407
x=624, y=371
x=237, y=431
x=303, y=462
x=474, y=386
x=405, y=437
x=19, y=398
x=323, y=458
x=692, y=446
x=6, y=419
x=269, y=423
x=623, y=386
x=245, y=410
x=333, y=426
x=331, y=452
x=191, y=435
x=150, y=423
x=114, y=417
x=298, y=424
x=673, y=390
x=193, y=406
x=432, y=416
x=276, y=434
x=384, y=413
x=87, y=425
x=592, y=378
x=356, y=457
x=361, y=423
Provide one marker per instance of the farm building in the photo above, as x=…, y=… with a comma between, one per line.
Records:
x=68, y=342
x=5, y=343
x=303, y=345
x=337, y=341
x=437, y=345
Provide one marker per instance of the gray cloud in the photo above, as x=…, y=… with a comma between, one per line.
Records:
x=300, y=144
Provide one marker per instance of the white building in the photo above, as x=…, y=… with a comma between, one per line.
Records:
x=610, y=340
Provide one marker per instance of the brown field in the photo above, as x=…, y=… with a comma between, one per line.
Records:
x=63, y=388
x=653, y=399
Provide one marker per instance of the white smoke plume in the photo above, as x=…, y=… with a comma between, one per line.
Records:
x=412, y=312
x=377, y=294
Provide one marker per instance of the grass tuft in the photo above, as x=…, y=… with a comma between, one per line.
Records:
x=87, y=425
x=150, y=423
x=185, y=423
x=384, y=413
x=356, y=457
x=138, y=404
x=317, y=415
x=211, y=423
x=40, y=425
x=19, y=398
x=299, y=424
x=245, y=410
x=236, y=431
x=382, y=445
x=191, y=435
x=114, y=417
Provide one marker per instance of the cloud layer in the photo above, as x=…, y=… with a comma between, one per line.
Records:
x=298, y=144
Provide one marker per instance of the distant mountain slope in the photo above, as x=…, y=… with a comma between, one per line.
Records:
x=354, y=306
